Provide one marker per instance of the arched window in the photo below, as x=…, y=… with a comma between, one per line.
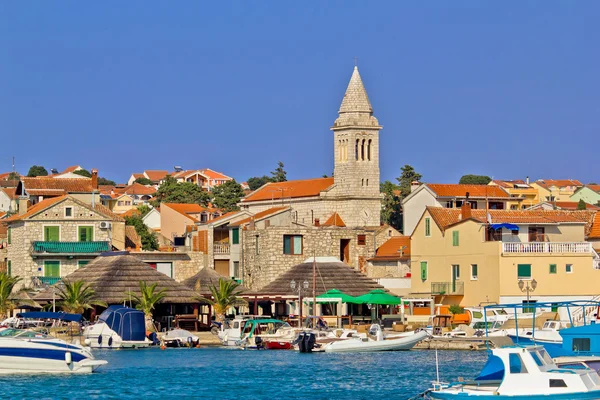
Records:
x=369, y=150
x=340, y=151
x=362, y=182
x=356, y=148
x=346, y=150
x=362, y=150
x=367, y=182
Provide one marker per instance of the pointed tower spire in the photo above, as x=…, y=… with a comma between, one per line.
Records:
x=356, y=99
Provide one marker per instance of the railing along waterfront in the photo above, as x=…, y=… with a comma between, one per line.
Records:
x=548, y=247
x=221, y=248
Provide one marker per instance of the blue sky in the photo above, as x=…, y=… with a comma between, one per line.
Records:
x=496, y=88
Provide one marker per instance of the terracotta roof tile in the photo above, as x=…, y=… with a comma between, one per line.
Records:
x=67, y=185
x=546, y=183
x=156, y=175
x=335, y=220
x=187, y=209
x=106, y=212
x=2, y=214
x=259, y=215
x=215, y=175
x=289, y=189
x=71, y=169
x=572, y=205
x=8, y=184
x=137, y=189
x=391, y=249
x=36, y=208
x=595, y=188
x=130, y=213
x=226, y=215
x=132, y=239
x=459, y=190
x=595, y=229
x=11, y=193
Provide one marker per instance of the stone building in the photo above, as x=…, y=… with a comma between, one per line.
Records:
x=353, y=193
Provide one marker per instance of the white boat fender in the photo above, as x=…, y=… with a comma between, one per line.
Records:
x=68, y=357
x=87, y=342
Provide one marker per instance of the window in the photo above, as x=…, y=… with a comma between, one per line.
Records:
x=536, y=357
x=581, y=344
x=235, y=236
x=515, y=232
x=569, y=268
x=516, y=364
x=292, y=244
x=459, y=203
x=456, y=271
x=474, y=275
x=524, y=271
x=423, y=270
x=128, y=203
x=9, y=268
x=52, y=269
x=427, y=226
x=9, y=233
x=493, y=235
x=557, y=383
x=85, y=233
x=82, y=263
x=119, y=203
x=256, y=244
x=236, y=269
x=68, y=212
x=449, y=204
x=361, y=240
x=552, y=268
x=454, y=238
x=52, y=233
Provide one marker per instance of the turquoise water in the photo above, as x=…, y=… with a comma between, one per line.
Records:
x=217, y=373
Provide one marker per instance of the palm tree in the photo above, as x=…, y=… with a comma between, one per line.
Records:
x=76, y=297
x=224, y=297
x=7, y=285
x=146, y=301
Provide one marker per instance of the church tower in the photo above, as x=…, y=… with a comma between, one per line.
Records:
x=356, y=151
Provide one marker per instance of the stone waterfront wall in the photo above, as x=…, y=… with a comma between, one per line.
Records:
x=264, y=260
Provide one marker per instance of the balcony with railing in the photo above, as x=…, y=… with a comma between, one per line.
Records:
x=221, y=248
x=448, y=288
x=40, y=248
x=41, y=281
x=547, y=248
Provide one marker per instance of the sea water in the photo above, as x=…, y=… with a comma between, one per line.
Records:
x=222, y=374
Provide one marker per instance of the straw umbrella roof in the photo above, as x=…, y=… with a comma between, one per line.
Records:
x=23, y=299
x=203, y=280
x=114, y=274
x=330, y=275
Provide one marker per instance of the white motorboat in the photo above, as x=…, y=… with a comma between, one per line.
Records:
x=179, y=338
x=376, y=342
x=523, y=373
x=118, y=327
x=231, y=330
x=24, y=351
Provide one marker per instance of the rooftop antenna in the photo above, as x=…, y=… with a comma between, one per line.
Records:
x=355, y=61
x=13, y=165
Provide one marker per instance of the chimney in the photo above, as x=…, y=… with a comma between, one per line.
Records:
x=23, y=202
x=94, y=178
x=465, y=211
x=317, y=222
x=414, y=185
x=527, y=180
x=252, y=225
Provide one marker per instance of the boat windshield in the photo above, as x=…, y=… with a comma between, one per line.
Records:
x=269, y=327
x=22, y=334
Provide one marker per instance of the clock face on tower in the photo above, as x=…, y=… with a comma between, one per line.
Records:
x=364, y=214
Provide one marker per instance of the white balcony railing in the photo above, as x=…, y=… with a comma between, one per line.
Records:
x=548, y=247
x=221, y=248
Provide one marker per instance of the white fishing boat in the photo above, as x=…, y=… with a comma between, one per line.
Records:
x=179, y=338
x=118, y=327
x=519, y=373
x=231, y=330
x=376, y=341
x=24, y=351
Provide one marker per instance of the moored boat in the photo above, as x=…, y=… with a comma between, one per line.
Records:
x=118, y=327
x=376, y=342
x=267, y=333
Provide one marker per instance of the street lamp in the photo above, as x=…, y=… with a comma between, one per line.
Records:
x=58, y=284
x=300, y=289
x=525, y=288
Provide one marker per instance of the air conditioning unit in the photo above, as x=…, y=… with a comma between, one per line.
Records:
x=104, y=225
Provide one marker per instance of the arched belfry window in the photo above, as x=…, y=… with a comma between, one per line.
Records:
x=362, y=150
x=362, y=182
x=356, y=148
x=369, y=150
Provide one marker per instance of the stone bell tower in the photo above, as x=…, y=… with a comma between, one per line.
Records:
x=356, y=152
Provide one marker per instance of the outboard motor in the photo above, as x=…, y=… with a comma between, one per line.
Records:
x=306, y=342
x=259, y=343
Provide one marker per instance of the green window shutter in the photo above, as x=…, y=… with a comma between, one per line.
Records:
x=9, y=235
x=524, y=271
x=52, y=233
x=86, y=233
x=552, y=268
x=52, y=269
x=427, y=227
x=454, y=238
x=474, y=271
x=82, y=263
x=287, y=241
x=9, y=268
x=423, y=270
x=235, y=236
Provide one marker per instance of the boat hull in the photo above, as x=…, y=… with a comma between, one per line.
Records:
x=269, y=345
x=595, y=395
x=359, y=345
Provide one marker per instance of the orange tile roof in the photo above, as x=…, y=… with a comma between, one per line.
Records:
x=391, y=249
x=11, y=193
x=459, y=190
x=572, y=205
x=226, y=215
x=182, y=174
x=595, y=229
x=289, y=189
x=259, y=215
x=546, y=183
x=509, y=184
x=136, y=188
x=106, y=189
x=67, y=185
x=36, y=208
x=445, y=217
x=130, y=213
x=2, y=214
x=595, y=188
x=9, y=184
x=132, y=239
x=335, y=220
x=136, y=176
x=215, y=175
x=156, y=175
x=186, y=209
x=71, y=169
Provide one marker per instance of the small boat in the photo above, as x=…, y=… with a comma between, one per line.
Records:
x=118, y=327
x=376, y=342
x=519, y=373
x=548, y=335
x=231, y=329
x=267, y=333
x=24, y=351
x=180, y=338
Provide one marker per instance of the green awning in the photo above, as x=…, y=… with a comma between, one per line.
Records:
x=378, y=296
x=70, y=247
x=332, y=295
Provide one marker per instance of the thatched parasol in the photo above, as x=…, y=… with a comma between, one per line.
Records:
x=203, y=280
x=114, y=274
x=22, y=299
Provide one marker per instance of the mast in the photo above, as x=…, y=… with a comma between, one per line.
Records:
x=314, y=305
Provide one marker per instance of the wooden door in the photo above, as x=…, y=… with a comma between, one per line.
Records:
x=345, y=250
x=222, y=267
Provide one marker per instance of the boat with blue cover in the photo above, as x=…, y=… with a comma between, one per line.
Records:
x=118, y=327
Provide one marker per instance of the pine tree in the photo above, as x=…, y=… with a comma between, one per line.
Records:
x=406, y=178
x=227, y=195
x=581, y=205
x=279, y=175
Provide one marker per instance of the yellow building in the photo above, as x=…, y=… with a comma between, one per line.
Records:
x=524, y=194
x=556, y=190
x=457, y=257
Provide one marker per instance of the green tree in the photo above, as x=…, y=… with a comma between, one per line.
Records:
x=37, y=170
x=391, y=206
x=13, y=176
x=227, y=195
x=7, y=286
x=147, y=300
x=257, y=181
x=148, y=237
x=581, y=205
x=76, y=297
x=171, y=191
x=107, y=182
x=83, y=172
x=143, y=181
x=406, y=178
x=225, y=296
x=279, y=175
x=144, y=209
x=475, y=180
